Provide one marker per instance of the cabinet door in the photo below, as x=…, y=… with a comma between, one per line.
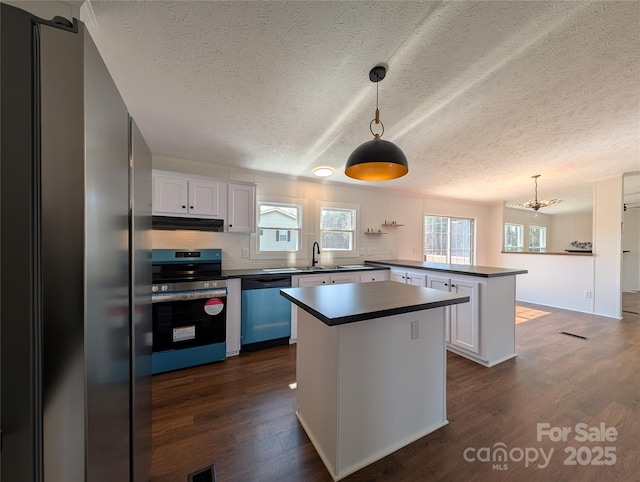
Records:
x=442, y=284
x=399, y=276
x=207, y=199
x=465, y=324
x=242, y=209
x=373, y=276
x=169, y=195
x=307, y=281
x=416, y=279
x=337, y=279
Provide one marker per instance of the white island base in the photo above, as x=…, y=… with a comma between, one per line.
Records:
x=366, y=389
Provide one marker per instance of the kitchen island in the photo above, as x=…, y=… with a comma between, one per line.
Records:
x=370, y=368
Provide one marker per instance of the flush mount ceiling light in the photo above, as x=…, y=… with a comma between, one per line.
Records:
x=377, y=160
x=323, y=171
x=535, y=204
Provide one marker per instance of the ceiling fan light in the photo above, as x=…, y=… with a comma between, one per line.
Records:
x=377, y=160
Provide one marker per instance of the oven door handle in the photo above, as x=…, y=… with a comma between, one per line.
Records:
x=187, y=295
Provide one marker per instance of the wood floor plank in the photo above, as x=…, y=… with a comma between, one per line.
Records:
x=240, y=414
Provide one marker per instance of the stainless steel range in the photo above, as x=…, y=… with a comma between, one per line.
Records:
x=189, y=297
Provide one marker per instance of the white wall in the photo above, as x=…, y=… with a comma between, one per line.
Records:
x=631, y=243
x=376, y=206
x=607, y=244
x=554, y=279
x=567, y=228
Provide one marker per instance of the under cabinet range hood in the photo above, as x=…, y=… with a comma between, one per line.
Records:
x=194, y=224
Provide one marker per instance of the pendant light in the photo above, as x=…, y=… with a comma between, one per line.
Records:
x=535, y=204
x=377, y=160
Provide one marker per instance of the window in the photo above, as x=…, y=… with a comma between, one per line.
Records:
x=448, y=240
x=537, y=239
x=279, y=226
x=337, y=228
x=513, y=237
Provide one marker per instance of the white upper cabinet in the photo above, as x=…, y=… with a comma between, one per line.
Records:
x=207, y=199
x=170, y=195
x=242, y=208
x=184, y=195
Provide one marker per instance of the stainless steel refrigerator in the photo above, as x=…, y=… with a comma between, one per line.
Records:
x=75, y=266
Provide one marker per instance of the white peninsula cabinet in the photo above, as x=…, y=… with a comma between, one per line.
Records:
x=463, y=320
x=482, y=330
x=409, y=277
x=184, y=195
x=335, y=278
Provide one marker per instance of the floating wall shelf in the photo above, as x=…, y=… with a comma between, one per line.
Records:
x=393, y=224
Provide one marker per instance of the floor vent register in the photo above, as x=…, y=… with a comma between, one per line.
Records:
x=207, y=474
x=574, y=335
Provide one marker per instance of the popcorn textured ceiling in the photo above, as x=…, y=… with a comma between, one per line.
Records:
x=479, y=95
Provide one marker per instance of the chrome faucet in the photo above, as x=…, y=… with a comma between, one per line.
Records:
x=315, y=249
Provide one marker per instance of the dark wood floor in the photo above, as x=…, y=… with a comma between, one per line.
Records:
x=240, y=414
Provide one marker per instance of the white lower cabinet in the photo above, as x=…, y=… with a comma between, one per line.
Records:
x=373, y=276
x=463, y=320
x=483, y=329
x=409, y=277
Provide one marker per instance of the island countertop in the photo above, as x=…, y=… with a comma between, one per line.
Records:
x=347, y=303
x=463, y=269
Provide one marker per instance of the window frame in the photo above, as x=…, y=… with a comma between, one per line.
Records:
x=448, y=255
x=290, y=254
x=537, y=249
x=519, y=248
x=355, y=209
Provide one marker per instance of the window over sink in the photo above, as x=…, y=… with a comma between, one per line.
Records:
x=279, y=227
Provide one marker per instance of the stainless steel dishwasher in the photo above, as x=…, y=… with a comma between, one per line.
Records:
x=266, y=316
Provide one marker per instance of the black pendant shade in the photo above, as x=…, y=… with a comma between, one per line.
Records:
x=377, y=160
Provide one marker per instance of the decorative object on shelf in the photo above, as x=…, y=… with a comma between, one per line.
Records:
x=580, y=247
x=323, y=171
x=391, y=223
x=535, y=204
x=377, y=160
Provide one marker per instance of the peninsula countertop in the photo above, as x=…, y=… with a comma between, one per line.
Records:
x=347, y=303
x=462, y=269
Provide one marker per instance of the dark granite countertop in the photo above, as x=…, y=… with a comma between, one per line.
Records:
x=240, y=273
x=351, y=302
x=465, y=269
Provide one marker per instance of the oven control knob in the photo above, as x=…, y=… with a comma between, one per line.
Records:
x=154, y=289
x=164, y=288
